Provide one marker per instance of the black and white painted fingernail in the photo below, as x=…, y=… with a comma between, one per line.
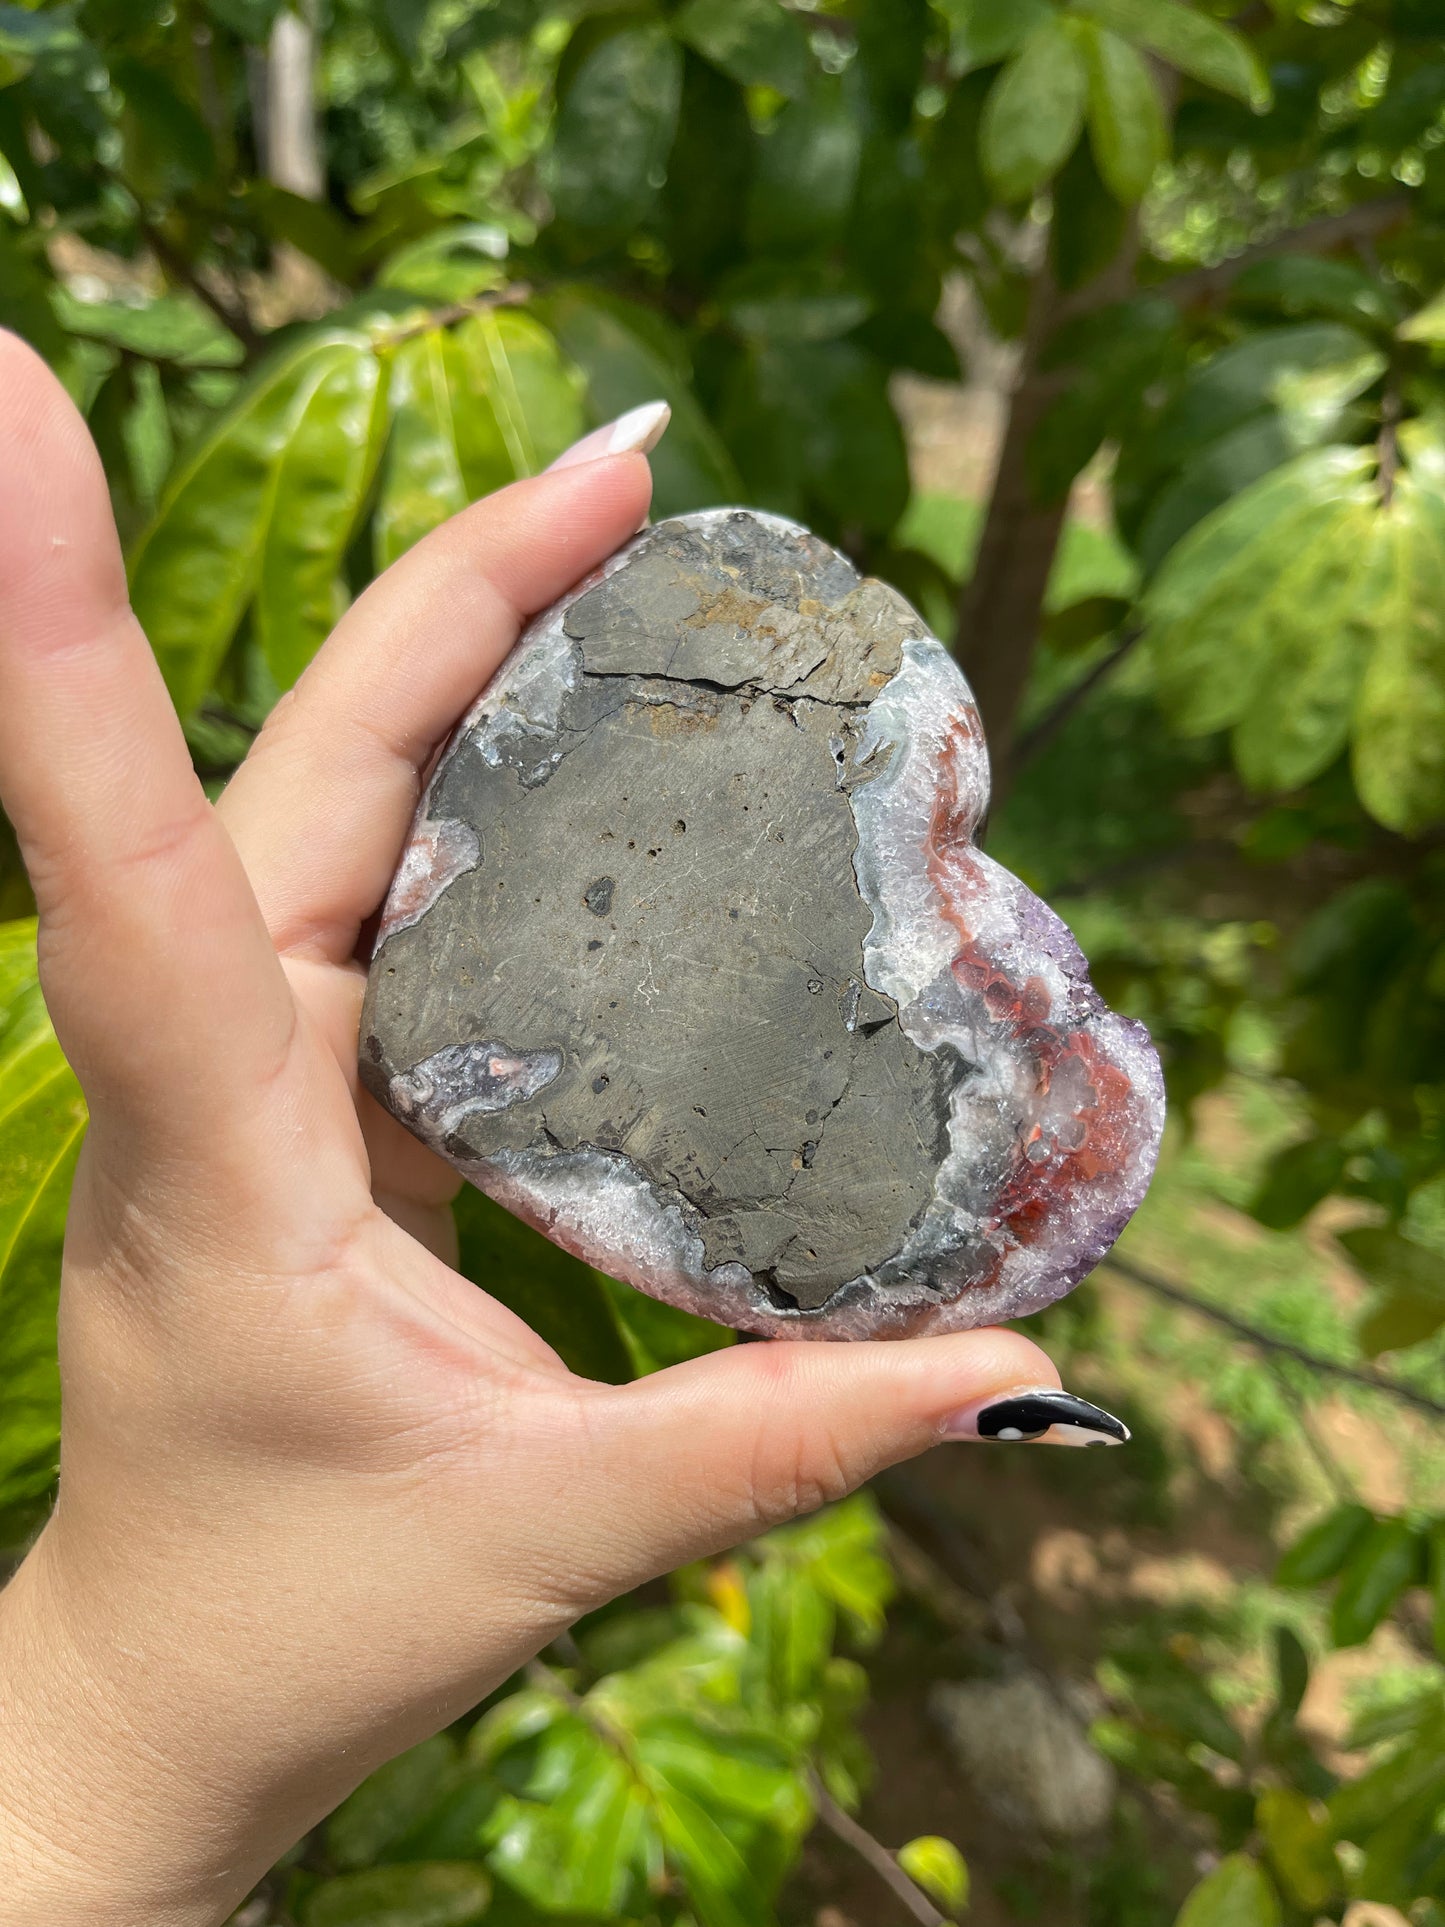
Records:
x=1037, y=1413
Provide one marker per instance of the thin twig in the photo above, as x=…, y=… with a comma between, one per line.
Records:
x=1330, y=231
x=231, y=314
x=1038, y=737
x=1335, y=1475
x=1267, y=1342
x=508, y=297
x=845, y=1828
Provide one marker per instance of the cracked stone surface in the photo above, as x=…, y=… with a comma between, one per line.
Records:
x=691, y=960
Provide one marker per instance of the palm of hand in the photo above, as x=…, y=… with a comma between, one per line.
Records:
x=322, y=1491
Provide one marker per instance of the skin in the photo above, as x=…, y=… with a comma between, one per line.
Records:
x=319, y=1494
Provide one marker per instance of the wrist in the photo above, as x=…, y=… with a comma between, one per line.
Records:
x=98, y=1824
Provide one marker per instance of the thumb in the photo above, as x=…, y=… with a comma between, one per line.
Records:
x=726, y=1446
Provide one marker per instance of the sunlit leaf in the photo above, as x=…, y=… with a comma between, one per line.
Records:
x=1237, y=1894
x=195, y=568
x=42, y=1120
x=937, y=1866
x=324, y=476
x=1297, y=1838
x=1211, y=608
x=474, y=407
x=1399, y=733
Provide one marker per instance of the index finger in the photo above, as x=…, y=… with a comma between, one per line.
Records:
x=321, y=806
x=145, y=912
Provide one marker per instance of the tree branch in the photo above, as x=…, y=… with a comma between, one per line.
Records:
x=1037, y=739
x=231, y=314
x=509, y=297
x=845, y=1828
x=1267, y=1342
x=1314, y=237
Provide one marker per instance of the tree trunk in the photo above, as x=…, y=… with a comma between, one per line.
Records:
x=1002, y=602
x=289, y=147
x=290, y=133
x=1000, y=608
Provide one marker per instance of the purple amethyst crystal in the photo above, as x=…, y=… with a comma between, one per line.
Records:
x=692, y=961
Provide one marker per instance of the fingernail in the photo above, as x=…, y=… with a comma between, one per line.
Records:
x=1037, y=1412
x=636, y=433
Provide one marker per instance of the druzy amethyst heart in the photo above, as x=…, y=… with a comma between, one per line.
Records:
x=692, y=963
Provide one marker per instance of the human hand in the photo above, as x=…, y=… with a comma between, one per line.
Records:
x=319, y=1494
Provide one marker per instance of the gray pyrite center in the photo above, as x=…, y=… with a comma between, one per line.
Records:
x=663, y=918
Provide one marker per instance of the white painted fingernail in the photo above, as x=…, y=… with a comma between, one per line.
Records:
x=636, y=433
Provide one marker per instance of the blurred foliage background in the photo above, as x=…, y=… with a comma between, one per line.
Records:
x=1113, y=333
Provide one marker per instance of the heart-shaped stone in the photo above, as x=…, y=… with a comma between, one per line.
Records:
x=692, y=961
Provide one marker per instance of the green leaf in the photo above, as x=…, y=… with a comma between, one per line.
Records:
x=1297, y=1179
x=816, y=433
x=1427, y=323
x=313, y=227
x=629, y=357
x=806, y=173
x=987, y=31
x=1380, y=1568
x=474, y=407
x=1127, y=129
x=12, y=195
x=170, y=149
x=249, y=19
x=42, y=1121
x=1211, y=604
x=1320, y=1553
x=1301, y=1852
x=1205, y=49
x=1034, y=112
x=1309, y=286
x=1310, y=636
x=195, y=568
x=1397, y=1320
x=1383, y=1256
x=324, y=477
x=390, y=1804
x=564, y=1301
x=1237, y=1894
x=720, y=1885
x=758, y=43
x=1292, y=1671
x=435, y=1894
x=615, y=123
x=1435, y=1559
x=1399, y=730
x=937, y=1866
x=792, y=1632
x=658, y=1335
